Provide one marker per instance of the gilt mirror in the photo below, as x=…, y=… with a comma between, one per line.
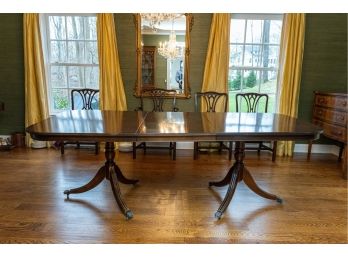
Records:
x=163, y=52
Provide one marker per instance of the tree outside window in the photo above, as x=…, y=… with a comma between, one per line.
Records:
x=254, y=55
x=71, y=56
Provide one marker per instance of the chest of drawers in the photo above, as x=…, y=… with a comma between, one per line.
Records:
x=330, y=112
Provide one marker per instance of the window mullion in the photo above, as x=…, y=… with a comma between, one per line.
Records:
x=85, y=50
x=62, y=88
x=244, y=68
x=48, y=61
x=67, y=59
x=261, y=56
x=244, y=40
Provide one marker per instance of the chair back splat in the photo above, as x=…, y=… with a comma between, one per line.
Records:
x=252, y=101
x=158, y=97
x=211, y=99
x=86, y=98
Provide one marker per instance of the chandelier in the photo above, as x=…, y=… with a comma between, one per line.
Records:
x=169, y=49
x=155, y=19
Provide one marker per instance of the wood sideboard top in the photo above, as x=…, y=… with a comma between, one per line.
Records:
x=331, y=93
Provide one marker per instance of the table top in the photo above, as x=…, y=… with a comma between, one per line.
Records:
x=96, y=125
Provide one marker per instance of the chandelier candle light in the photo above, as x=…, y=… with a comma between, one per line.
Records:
x=169, y=49
x=155, y=19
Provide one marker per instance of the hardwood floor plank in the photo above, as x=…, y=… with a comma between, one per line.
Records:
x=172, y=202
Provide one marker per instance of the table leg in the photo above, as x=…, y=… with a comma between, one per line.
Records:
x=111, y=172
x=226, y=180
x=250, y=182
x=236, y=174
x=98, y=178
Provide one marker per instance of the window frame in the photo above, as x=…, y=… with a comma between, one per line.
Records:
x=258, y=69
x=46, y=47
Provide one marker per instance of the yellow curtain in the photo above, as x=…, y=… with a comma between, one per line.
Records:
x=36, y=106
x=290, y=68
x=216, y=63
x=112, y=96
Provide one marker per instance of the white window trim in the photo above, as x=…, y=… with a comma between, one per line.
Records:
x=45, y=42
x=259, y=16
x=256, y=16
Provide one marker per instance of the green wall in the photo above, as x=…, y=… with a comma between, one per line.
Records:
x=324, y=65
x=11, y=73
x=324, y=62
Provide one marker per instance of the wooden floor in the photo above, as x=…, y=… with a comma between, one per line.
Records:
x=172, y=203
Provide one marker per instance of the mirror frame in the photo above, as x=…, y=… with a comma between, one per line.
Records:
x=138, y=83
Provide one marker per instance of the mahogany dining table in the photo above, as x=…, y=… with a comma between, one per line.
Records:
x=132, y=126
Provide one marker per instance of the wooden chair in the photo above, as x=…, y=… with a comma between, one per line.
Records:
x=83, y=99
x=252, y=103
x=211, y=99
x=158, y=97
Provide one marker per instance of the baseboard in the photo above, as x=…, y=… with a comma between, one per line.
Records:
x=5, y=136
x=184, y=145
x=299, y=148
x=317, y=148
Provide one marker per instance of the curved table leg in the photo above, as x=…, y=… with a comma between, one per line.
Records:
x=112, y=172
x=237, y=173
x=226, y=180
x=98, y=178
x=230, y=192
x=250, y=182
x=121, y=178
x=117, y=193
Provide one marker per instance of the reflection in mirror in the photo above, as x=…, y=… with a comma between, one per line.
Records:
x=163, y=52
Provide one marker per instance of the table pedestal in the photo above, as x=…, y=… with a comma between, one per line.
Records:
x=111, y=172
x=237, y=173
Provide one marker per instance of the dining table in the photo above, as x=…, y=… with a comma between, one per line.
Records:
x=137, y=126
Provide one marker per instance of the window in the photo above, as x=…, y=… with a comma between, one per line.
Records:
x=254, y=55
x=71, y=56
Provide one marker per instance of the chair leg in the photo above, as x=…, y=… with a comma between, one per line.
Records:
x=170, y=148
x=62, y=147
x=220, y=147
x=134, y=151
x=259, y=149
x=340, y=153
x=309, y=150
x=274, y=151
x=97, y=148
x=174, y=150
x=230, y=150
x=195, y=150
